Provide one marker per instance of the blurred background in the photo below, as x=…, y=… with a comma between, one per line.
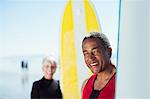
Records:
x=30, y=30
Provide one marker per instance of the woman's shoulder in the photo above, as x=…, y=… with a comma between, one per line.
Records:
x=37, y=82
x=55, y=82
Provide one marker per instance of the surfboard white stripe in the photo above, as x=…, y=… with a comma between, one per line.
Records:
x=79, y=18
x=80, y=32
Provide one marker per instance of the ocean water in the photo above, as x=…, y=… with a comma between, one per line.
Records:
x=15, y=81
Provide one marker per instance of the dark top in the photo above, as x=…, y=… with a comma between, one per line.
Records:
x=108, y=92
x=49, y=89
x=94, y=94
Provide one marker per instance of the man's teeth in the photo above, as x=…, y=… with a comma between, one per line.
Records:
x=93, y=64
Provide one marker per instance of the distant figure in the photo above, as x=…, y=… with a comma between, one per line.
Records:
x=47, y=87
x=97, y=55
x=24, y=64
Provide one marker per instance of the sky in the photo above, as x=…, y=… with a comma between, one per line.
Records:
x=31, y=27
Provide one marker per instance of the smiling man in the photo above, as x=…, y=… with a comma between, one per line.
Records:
x=97, y=54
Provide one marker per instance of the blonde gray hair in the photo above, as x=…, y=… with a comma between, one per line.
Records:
x=49, y=59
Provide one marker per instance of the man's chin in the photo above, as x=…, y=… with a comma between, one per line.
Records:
x=94, y=71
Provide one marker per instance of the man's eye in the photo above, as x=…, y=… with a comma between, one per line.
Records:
x=85, y=54
x=95, y=51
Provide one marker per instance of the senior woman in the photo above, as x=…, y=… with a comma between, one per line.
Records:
x=47, y=87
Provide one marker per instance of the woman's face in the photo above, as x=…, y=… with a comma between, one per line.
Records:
x=49, y=69
x=95, y=55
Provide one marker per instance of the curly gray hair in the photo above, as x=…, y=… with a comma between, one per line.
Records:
x=102, y=37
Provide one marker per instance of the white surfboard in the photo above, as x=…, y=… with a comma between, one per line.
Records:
x=79, y=18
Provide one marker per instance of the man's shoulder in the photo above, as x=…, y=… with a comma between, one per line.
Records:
x=86, y=80
x=84, y=83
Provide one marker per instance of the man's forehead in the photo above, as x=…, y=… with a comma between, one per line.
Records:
x=95, y=41
x=91, y=44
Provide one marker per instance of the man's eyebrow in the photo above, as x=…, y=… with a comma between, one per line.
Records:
x=84, y=51
x=96, y=47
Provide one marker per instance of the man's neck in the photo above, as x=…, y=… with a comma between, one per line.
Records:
x=107, y=73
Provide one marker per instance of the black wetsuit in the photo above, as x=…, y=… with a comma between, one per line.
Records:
x=46, y=89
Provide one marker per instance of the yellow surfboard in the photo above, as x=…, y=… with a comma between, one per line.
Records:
x=78, y=19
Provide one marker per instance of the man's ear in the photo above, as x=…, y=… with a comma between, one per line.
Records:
x=109, y=52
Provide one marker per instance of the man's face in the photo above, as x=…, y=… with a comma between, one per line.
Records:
x=49, y=69
x=95, y=55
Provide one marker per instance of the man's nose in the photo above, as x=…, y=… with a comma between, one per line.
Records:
x=92, y=56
